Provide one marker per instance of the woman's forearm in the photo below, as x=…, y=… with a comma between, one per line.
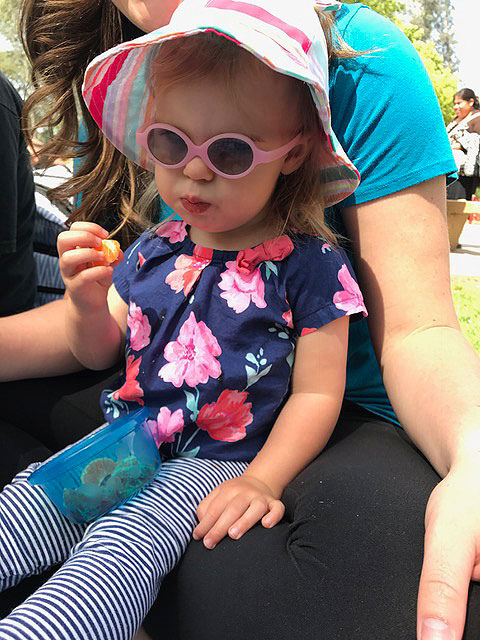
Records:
x=433, y=380
x=431, y=373
x=33, y=344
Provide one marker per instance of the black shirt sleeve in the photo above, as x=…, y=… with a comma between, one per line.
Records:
x=17, y=208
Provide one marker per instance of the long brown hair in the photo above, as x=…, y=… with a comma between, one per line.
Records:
x=60, y=38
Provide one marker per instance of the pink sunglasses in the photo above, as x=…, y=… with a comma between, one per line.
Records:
x=230, y=155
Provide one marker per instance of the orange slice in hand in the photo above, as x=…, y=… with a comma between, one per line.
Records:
x=110, y=250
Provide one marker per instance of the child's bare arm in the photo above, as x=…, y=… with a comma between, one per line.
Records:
x=95, y=315
x=299, y=434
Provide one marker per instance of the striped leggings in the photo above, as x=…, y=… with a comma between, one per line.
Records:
x=112, y=569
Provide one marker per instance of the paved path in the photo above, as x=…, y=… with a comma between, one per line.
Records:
x=465, y=260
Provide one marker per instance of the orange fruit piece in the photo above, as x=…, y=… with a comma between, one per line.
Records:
x=97, y=470
x=110, y=250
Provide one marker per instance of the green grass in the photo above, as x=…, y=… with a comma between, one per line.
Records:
x=466, y=297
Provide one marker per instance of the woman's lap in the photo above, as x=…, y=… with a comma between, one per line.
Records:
x=344, y=563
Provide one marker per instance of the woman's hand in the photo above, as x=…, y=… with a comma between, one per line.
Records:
x=452, y=553
x=86, y=274
x=234, y=507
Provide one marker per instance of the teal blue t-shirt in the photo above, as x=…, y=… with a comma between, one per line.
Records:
x=387, y=118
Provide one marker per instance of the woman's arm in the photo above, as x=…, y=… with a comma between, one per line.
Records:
x=299, y=434
x=431, y=373
x=33, y=344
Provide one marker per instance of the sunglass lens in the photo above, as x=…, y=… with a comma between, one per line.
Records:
x=230, y=155
x=166, y=146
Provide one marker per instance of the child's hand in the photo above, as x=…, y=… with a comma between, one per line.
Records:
x=234, y=507
x=85, y=272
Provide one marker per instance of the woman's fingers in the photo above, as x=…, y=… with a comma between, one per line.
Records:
x=443, y=590
x=451, y=558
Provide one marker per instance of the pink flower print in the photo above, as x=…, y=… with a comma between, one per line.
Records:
x=139, y=327
x=307, y=330
x=192, y=356
x=350, y=299
x=174, y=230
x=131, y=390
x=326, y=247
x=166, y=425
x=141, y=261
x=287, y=316
x=240, y=288
x=275, y=249
x=226, y=418
x=188, y=270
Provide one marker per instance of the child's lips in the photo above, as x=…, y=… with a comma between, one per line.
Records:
x=194, y=205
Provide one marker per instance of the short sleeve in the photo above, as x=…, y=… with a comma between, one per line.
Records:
x=384, y=109
x=321, y=286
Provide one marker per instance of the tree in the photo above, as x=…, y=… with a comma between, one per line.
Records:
x=13, y=62
x=439, y=69
x=435, y=17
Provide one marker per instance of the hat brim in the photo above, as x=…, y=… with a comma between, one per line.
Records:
x=118, y=91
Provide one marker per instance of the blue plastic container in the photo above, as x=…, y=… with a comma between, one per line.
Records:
x=101, y=471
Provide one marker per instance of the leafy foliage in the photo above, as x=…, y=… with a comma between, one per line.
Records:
x=466, y=297
x=13, y=61
x=438, y=56
x=435, y=17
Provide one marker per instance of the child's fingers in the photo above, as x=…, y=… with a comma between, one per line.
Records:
x=251, y=516
x=91, y=227
x=275, y=514
x=69, y=240
x=223, y=512
x=101, y=275
x=208, y=516
x=76, y=260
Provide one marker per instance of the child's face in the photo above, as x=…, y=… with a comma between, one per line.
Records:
x=219, y=208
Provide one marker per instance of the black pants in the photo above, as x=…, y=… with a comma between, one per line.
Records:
x=344, y=563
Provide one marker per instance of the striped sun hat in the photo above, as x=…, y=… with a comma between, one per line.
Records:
x=286, y=35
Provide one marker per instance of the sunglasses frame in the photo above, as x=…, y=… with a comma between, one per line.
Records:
x=201, y=151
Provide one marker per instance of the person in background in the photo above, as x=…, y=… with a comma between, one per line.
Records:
x=17, y=208
x=346, y=559
x=464, y=135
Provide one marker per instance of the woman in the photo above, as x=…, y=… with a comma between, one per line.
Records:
x=17, y=208
x=367, y=498
x=464, y=135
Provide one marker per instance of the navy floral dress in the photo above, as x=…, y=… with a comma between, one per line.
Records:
x=211, y=334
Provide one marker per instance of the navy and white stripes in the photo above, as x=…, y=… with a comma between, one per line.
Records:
x=113, y=567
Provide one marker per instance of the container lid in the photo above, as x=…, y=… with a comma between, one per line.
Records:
x=87, y=448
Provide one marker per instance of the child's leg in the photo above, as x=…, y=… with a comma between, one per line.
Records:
x=104, y=590
x=34, y=535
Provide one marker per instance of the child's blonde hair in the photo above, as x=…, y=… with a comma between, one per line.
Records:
x=297, y=201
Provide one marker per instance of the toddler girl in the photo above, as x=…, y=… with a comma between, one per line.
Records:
x=233, y=316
